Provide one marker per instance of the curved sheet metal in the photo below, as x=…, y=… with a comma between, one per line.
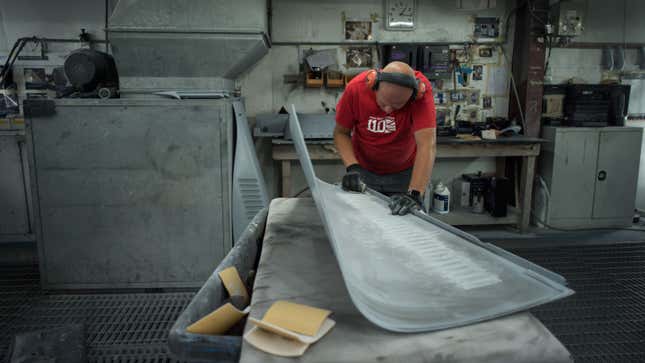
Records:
x=249, y=190
x=413, y=273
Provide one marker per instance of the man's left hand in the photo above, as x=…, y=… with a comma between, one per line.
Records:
x=404, y=203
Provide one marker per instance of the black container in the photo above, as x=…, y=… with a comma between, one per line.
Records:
x=498, y=196
x=187, y=346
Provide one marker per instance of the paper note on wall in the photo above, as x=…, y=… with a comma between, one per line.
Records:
x=498, y=81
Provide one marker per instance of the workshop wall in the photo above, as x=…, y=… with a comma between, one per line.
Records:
x=297, y=23
x=608, y=22
x=51, y=19
x=293, y=21
x=605, y=22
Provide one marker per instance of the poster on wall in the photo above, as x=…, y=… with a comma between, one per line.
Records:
x=358, y=30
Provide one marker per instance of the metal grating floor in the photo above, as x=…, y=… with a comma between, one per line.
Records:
x=605, y=320
x=119, y=327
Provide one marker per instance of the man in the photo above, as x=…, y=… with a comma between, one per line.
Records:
x=385, y=134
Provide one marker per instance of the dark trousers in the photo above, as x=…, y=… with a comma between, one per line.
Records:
x=388, y=184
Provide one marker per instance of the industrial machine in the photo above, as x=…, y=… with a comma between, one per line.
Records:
x=92, y=74
x=146, y=191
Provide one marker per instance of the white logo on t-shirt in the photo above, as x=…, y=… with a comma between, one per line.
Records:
x=381, y=125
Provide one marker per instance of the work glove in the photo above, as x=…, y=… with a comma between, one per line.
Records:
x=404, y=203
x=352, y=179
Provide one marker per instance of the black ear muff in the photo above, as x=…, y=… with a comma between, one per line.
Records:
x=374, y=78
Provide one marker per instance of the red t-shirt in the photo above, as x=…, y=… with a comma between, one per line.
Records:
x=383, y=143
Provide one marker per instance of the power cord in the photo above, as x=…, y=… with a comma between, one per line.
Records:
x=300, y=192
x=514, y=87
x=13, y=55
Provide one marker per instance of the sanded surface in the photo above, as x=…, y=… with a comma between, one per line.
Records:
x=414, y=273
x=297, y=264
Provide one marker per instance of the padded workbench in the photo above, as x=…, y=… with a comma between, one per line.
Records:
x=297, y=264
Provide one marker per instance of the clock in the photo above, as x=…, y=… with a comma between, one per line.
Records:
x=400, y=14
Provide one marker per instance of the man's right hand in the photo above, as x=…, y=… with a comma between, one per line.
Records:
x=352, y=179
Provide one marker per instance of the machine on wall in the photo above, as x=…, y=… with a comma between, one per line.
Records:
x=400, y=14
x=486, y=28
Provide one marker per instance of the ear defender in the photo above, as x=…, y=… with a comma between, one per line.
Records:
x=375, y=77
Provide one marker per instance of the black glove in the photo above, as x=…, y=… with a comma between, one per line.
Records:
x=404, y=203
x=352, y=180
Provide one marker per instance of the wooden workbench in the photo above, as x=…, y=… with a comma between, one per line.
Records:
x=527, y=148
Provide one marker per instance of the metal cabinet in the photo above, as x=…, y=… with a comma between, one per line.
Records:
x=588, y=176
x=131, y=193
x=14, y=199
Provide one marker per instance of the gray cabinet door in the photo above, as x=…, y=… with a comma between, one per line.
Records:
x=617, y=173
x=13, y=199
x=132, y=193
x=574, y=165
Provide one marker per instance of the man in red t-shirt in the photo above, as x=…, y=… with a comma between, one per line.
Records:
x=385, y=134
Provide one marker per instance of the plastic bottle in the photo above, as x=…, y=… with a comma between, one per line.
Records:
x=441, y=199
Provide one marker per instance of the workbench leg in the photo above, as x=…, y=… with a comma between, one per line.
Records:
x=526, y=192
x=500, y=166
x=286, y=178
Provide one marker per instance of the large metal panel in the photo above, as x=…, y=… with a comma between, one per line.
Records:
x=132, y=193
x=249, y=189
x=573, y=175
x=13, y=198
x=617, y=172
x=414, y=273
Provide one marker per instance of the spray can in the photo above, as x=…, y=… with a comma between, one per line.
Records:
x=441, y=199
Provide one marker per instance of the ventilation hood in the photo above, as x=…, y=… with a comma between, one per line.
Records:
x=186, y=44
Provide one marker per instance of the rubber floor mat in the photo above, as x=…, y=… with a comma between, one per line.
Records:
x=605, y=320
x=119, y=327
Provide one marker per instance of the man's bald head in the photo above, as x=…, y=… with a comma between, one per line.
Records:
x=389, y=96
x=398, y=67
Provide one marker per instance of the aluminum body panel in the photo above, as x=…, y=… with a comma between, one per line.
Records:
x=411, y=273
x=131, y=193
x=249, y=189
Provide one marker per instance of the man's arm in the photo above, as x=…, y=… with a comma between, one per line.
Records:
x=343, y=141
x=424, y=161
